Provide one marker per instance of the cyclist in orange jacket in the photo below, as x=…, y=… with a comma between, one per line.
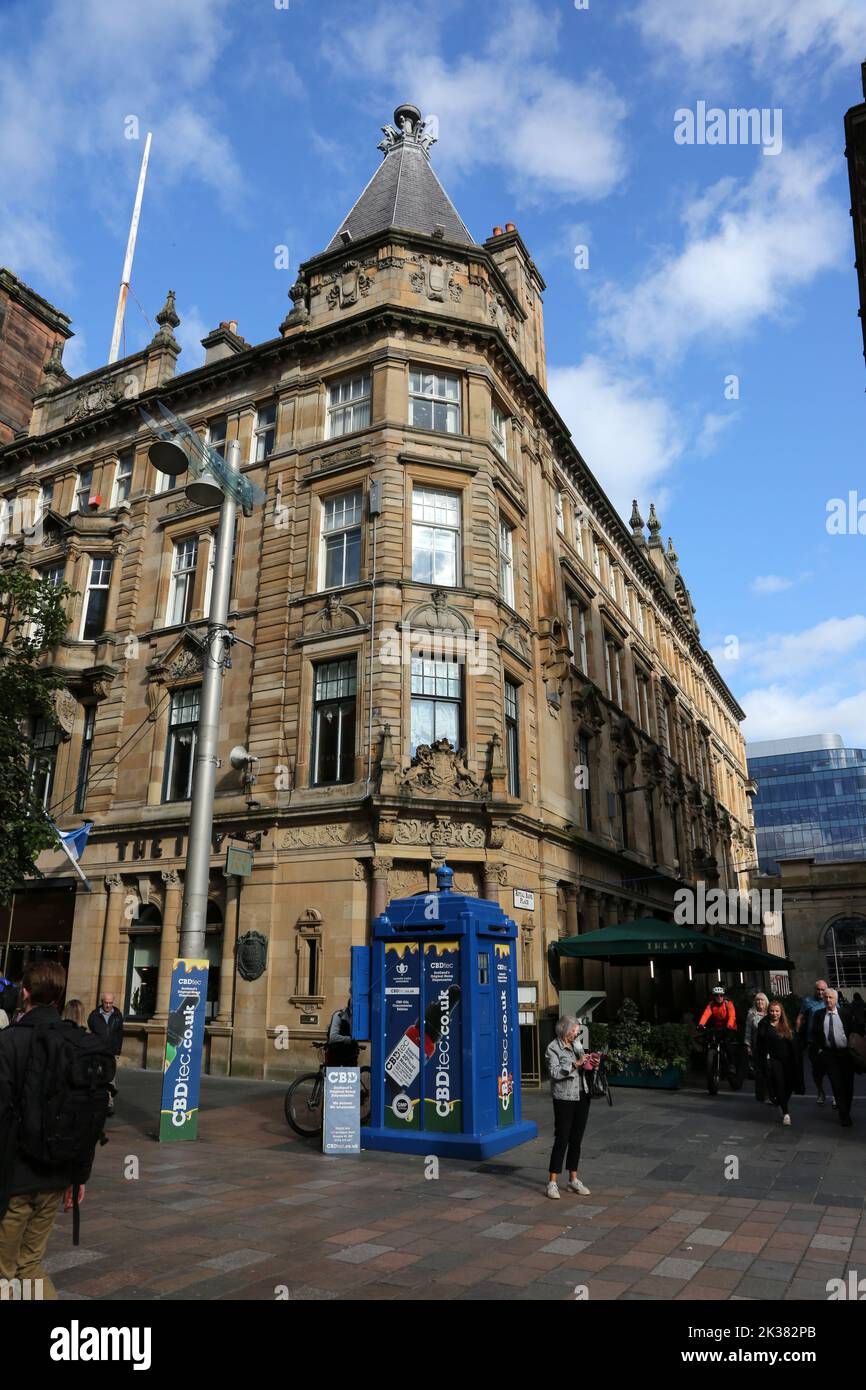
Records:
x=720, y=1012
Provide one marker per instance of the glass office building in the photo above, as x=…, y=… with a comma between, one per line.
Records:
x=811, y=799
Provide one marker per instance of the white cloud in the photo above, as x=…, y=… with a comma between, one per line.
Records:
x=769, y=33
x=786, y=656
x=776, y=711
x=770, y=584
x=551, y=136
x=747, y=248
x=68, y=84
x=629, y=437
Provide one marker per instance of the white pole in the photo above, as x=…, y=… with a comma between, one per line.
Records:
x=130, y=252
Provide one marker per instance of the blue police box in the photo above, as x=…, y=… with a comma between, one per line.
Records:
x=436, y=994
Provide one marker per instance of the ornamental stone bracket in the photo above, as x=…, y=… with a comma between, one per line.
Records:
x=588, y=709
x=555, y=661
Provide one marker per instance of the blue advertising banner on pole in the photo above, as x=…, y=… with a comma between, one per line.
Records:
x=181, y=1079
x=341, y=1133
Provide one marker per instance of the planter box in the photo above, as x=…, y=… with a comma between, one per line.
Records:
x=634, y=1075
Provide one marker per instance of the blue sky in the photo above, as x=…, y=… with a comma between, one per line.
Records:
x=706, y=261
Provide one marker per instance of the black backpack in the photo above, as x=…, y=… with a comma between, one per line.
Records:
x=63, y=1103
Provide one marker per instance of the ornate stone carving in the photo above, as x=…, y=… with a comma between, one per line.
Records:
x=168, y=320
x=348, y=283
x=434, y=276
x=98, y=396
x=170, y=877
x=437, y=615
x=318, y=837
x=334, y=617
x=404, y=882
x=514, y=636
x=252, y=955
x=555, y=660
x=65, y=710
x=359, y=872
x=520, y=844
x=439, y=769
x=442, y=832
x=182, y=660
x=411, y=128
x=381, y=865
x=588, y=709
x=114, y=883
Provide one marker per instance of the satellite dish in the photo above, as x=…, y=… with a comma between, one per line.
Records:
x=168, y=457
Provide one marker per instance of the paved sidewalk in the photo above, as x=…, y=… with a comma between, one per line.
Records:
x=252, y=1212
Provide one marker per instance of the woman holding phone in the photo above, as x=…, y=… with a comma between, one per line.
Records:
x=570, y=1068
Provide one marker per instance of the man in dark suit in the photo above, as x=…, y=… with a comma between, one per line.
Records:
x=107, y=1022
x=831, y=1027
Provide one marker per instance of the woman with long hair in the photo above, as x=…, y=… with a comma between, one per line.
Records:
x=778, y=1058
x=757, y=1012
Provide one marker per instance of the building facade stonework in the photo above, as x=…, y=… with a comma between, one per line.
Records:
x=452, y=645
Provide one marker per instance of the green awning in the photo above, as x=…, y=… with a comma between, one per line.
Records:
x=668, y=946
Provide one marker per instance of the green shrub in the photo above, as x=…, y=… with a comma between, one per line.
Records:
x=629, y=1040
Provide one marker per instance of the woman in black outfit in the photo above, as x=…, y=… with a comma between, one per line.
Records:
x=778, y=1059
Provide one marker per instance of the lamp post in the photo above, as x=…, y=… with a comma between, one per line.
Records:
x=206, y=489
x=213, y=481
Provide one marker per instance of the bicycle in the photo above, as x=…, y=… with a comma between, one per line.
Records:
x=305, y=1098
x=717, y=1049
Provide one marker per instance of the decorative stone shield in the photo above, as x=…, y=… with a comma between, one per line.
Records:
x=252, y=955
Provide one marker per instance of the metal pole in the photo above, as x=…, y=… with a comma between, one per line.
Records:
x=198, y=855
x=130, y=251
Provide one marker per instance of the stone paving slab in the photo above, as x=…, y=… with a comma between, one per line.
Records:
x=260, y=1214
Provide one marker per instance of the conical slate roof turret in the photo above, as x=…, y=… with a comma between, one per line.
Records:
x=404, y=192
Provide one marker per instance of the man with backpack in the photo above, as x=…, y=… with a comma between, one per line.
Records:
x=55, y=1085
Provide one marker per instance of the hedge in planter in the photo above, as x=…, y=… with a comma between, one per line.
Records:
x=640, y=1053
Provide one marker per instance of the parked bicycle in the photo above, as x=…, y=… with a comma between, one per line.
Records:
x=305, y=1098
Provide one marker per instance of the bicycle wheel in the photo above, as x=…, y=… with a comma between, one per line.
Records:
x=303, y=1105
x=712, y=1070
x=366, y=1095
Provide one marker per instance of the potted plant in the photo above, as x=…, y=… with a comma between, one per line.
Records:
x=639, y=1053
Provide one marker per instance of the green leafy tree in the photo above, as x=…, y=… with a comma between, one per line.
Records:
x=32, y=622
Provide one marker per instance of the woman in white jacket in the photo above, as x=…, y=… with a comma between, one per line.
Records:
x=568, y=1066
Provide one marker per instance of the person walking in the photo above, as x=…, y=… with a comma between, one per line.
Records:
x=48, y=1067
x=756, y=1013
x=804, y=1028
x=568, y=1066
x=831, y=1029
x=74, y=1012
x=106, y=1023
x=779, y=1059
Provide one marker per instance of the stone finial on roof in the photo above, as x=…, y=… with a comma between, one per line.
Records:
x=54, y=373
x=168, y=320
x=411, y=128
x=654, y=525
x=636, y=523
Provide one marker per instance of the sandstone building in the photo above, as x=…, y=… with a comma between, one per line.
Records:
x=452, y=645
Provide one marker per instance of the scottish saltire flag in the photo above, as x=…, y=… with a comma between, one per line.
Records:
x=72, y=843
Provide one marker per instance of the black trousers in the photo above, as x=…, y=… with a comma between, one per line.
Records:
x=819, y=1071
x=778, y=1086
x=569, y=1122
x=840, y=1069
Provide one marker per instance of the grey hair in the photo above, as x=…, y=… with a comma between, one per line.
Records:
x=761, y=995
x=564, y=1024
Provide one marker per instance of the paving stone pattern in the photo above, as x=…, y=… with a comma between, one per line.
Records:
x=252, y=1212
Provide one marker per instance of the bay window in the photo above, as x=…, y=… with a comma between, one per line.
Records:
x=96, y=598
x=341, y=539
x=348, y=405
x=436, y=702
